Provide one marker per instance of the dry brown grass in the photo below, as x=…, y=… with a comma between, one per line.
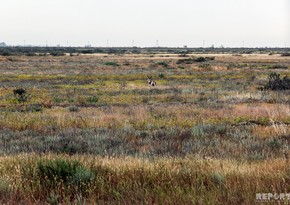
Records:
x=204, y=135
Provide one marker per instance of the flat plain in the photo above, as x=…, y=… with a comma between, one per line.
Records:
x=89, y=129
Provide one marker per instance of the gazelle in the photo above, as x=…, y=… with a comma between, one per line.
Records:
x=150, y=81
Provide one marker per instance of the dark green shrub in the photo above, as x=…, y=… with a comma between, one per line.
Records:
x=161, y=75
x=110, y=63
x=20, y=95
x=73, y=108
x=200, y=59
x=55, y=172
x=30, y=54
x=205, y=66
x=87, y=52
x=58, y=100
x=57, y=53
x=6, y=53
x=92, y=99
x=164, y=64
x=185, y=61
x=274, y=144
x=275, y=83
x=278, y=67
x=285, y=54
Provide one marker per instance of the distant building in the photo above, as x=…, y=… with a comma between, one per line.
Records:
x=3, y=44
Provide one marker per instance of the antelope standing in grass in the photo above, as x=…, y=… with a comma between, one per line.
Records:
x=150, y=81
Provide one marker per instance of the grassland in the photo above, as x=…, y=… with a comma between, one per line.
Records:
x=204, y=135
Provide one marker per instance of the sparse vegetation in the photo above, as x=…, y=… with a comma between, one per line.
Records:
x=87, y=129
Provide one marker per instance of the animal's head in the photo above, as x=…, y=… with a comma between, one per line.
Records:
x=149, y=79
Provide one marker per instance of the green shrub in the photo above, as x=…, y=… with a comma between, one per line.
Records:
x=161, y=75
x=274, y=144
x=73, y=108
x=218, y=179
x=70, y=173
x=185, y=61
x=275, y=83
x=30, y=54
x=162, y=63
x=92, y=99
x=53, y=199
x=205, y=66
x=110, y=63
x=20, y=95
x=58, y=100
x=55, y=53
x=6, y=53
x=285, y=54
x=200, y=59
x=277, y=66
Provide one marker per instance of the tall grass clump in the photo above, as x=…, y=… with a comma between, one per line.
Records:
x=60, y=172
x=4, y=188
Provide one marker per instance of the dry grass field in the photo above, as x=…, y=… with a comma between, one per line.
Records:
x=88, y=129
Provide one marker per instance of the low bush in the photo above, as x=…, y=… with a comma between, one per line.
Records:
x=185, y=61
x=161, y=75
x=92, y=99
x=57, y=54
x=285, y=54
x=73, y=108
x=200, y=59
x=110, y=63
x=276, y=83
x=20, y=95
x=53, y=173
x=162, y=63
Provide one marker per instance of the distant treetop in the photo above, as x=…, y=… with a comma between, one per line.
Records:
x=3, y=44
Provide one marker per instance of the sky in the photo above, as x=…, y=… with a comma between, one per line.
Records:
x=173, y=23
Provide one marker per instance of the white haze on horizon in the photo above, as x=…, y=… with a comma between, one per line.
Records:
x=252, y=23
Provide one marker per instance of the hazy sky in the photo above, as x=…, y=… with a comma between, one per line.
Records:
x=171, y=22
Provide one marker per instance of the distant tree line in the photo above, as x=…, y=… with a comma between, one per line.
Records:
x=57, y=51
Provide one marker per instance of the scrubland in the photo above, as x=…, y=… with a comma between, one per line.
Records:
x=89, y=129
